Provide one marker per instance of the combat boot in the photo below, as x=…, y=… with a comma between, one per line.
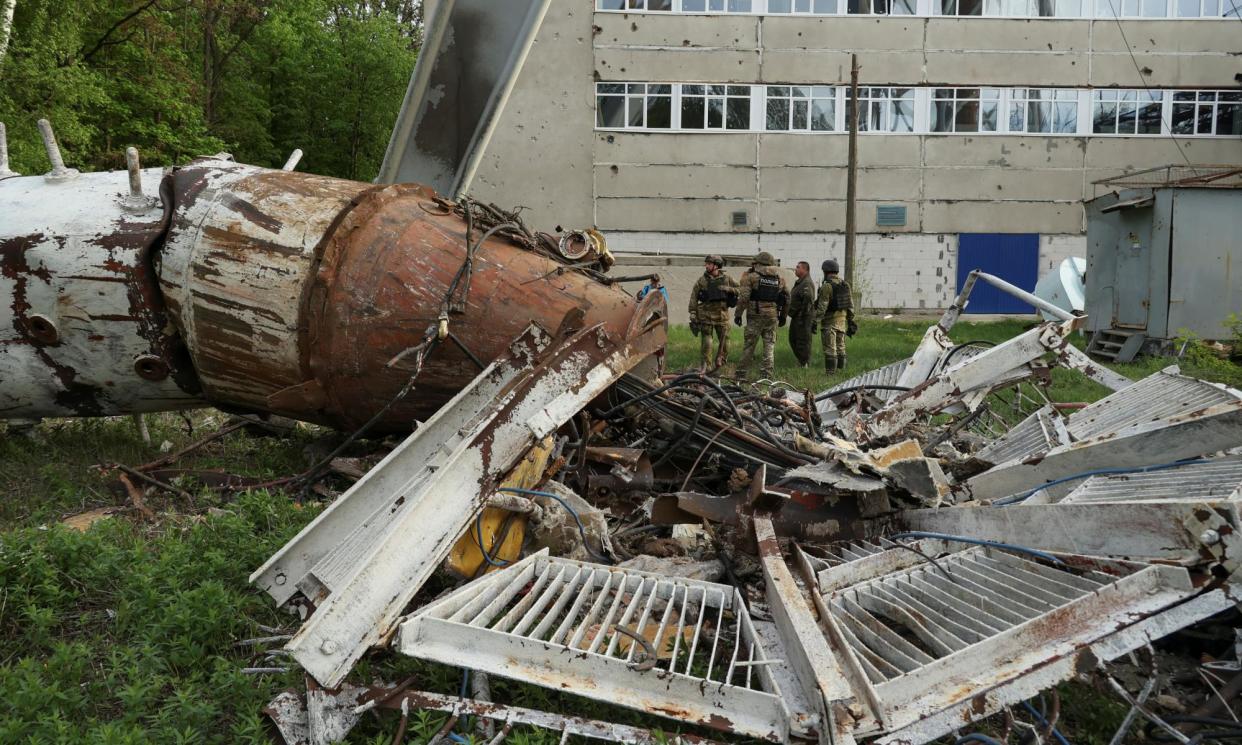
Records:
x=841, y=363
x=830, y=364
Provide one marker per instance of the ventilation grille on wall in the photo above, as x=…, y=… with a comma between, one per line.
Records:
x=740, y=219
x=890, y=215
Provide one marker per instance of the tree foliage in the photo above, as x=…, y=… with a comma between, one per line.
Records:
x=183, y=78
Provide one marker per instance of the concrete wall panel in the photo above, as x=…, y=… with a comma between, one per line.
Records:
x=1004, y=151
x=1002, y=217
x=1134, y=153
x=1002, y=184
x=1005, y=68
x=540, y=154
x=833, y=67
x=848, y=33
x=693, y=215
x=685, y=65
x=1167, y=70
x=1145, y=37
x=690, y=149
x=1008, y=34
x=642, y=29
x=675, y=182
x=833, y=150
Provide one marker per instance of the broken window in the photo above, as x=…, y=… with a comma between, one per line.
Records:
x=959, y=7
x=715, y=106
x=965, y=109
x=1131, y=8
x=1126, y=112
x=1043, y=110
x=1207, y=113
x=801, y=108
x=716, y=6
x=881, y=7
x=633, y=105
x=808, y=7
x=883, y=109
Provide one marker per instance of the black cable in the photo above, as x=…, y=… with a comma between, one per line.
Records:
x=1228, y=729
x=685, y=436
x=868, y=387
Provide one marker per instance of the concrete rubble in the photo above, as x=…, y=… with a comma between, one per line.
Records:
x=887, y=561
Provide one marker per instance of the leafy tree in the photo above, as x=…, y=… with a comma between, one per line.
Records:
x=181, y=78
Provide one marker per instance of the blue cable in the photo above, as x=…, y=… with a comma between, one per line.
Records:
x=1098, y=472
x=1055, y=732
x=478, y=529
x=458, y=738
x=980, y=542
x=563, y=503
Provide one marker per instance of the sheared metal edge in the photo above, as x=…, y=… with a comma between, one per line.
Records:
x=289, y=715
x=378, y=495
x=709, y=703
x=817, y=669
x=952, y=681
x=79, y=302
x=1132, y=634
x=570, y=725
x=364, y=609
x=1192, y=434
x=979, y=372
x=1166, y=531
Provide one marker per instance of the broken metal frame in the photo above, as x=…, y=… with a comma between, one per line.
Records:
x=375, y=578
x=982, y=620
x=577, y=626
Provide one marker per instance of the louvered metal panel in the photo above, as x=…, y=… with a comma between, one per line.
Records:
x=1038, y=433
x=573, y=625
x=1214, y=480
x=1158, y=396
x=930, y=635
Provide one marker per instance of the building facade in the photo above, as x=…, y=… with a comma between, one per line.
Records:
x=697, y=126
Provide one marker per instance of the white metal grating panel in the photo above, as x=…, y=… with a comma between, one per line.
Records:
x=573, y=625
x=1213, y=480
x=1158, y=396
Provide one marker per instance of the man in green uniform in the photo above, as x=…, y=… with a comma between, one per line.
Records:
x=802, y=314
x=763, y=296
x=835, y=313
x=710, y=299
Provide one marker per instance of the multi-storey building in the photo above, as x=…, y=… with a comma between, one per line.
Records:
x=697, y=126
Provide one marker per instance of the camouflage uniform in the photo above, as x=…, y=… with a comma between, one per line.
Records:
x=801, y=318
x=834, y=309
x=710, y=300
x=763, y=296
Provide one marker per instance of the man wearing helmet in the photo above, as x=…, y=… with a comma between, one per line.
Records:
x=764, y=297
x=802, y=314
x=835, y=311
x=710, y=300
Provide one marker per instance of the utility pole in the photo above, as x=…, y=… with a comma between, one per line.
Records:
x=851, y=179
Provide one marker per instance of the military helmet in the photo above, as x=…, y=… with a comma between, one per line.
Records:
x=763, y=258
x=716, y=259
x=830, y=266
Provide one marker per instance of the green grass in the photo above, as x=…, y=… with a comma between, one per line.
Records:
x=126, y=633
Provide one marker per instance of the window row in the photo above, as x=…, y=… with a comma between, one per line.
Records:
x=822, y=108
x=995, y=8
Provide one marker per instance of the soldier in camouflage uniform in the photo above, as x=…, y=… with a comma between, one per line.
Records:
x=710, y=300
x=763, y=297
x=834, y=311
x=802, y=314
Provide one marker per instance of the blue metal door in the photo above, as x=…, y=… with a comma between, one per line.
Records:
x=1010, y=256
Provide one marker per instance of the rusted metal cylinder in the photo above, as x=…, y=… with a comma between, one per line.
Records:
x=294, y=292
x=83, y=328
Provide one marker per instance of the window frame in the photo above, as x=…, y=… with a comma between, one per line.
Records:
x=1213, y=107
x=833, y=95
x=628, y=96
x=1117, y=97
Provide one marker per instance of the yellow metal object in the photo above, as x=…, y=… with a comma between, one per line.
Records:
x=466, y=560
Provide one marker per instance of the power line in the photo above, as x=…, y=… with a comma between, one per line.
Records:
x=1142, y=79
